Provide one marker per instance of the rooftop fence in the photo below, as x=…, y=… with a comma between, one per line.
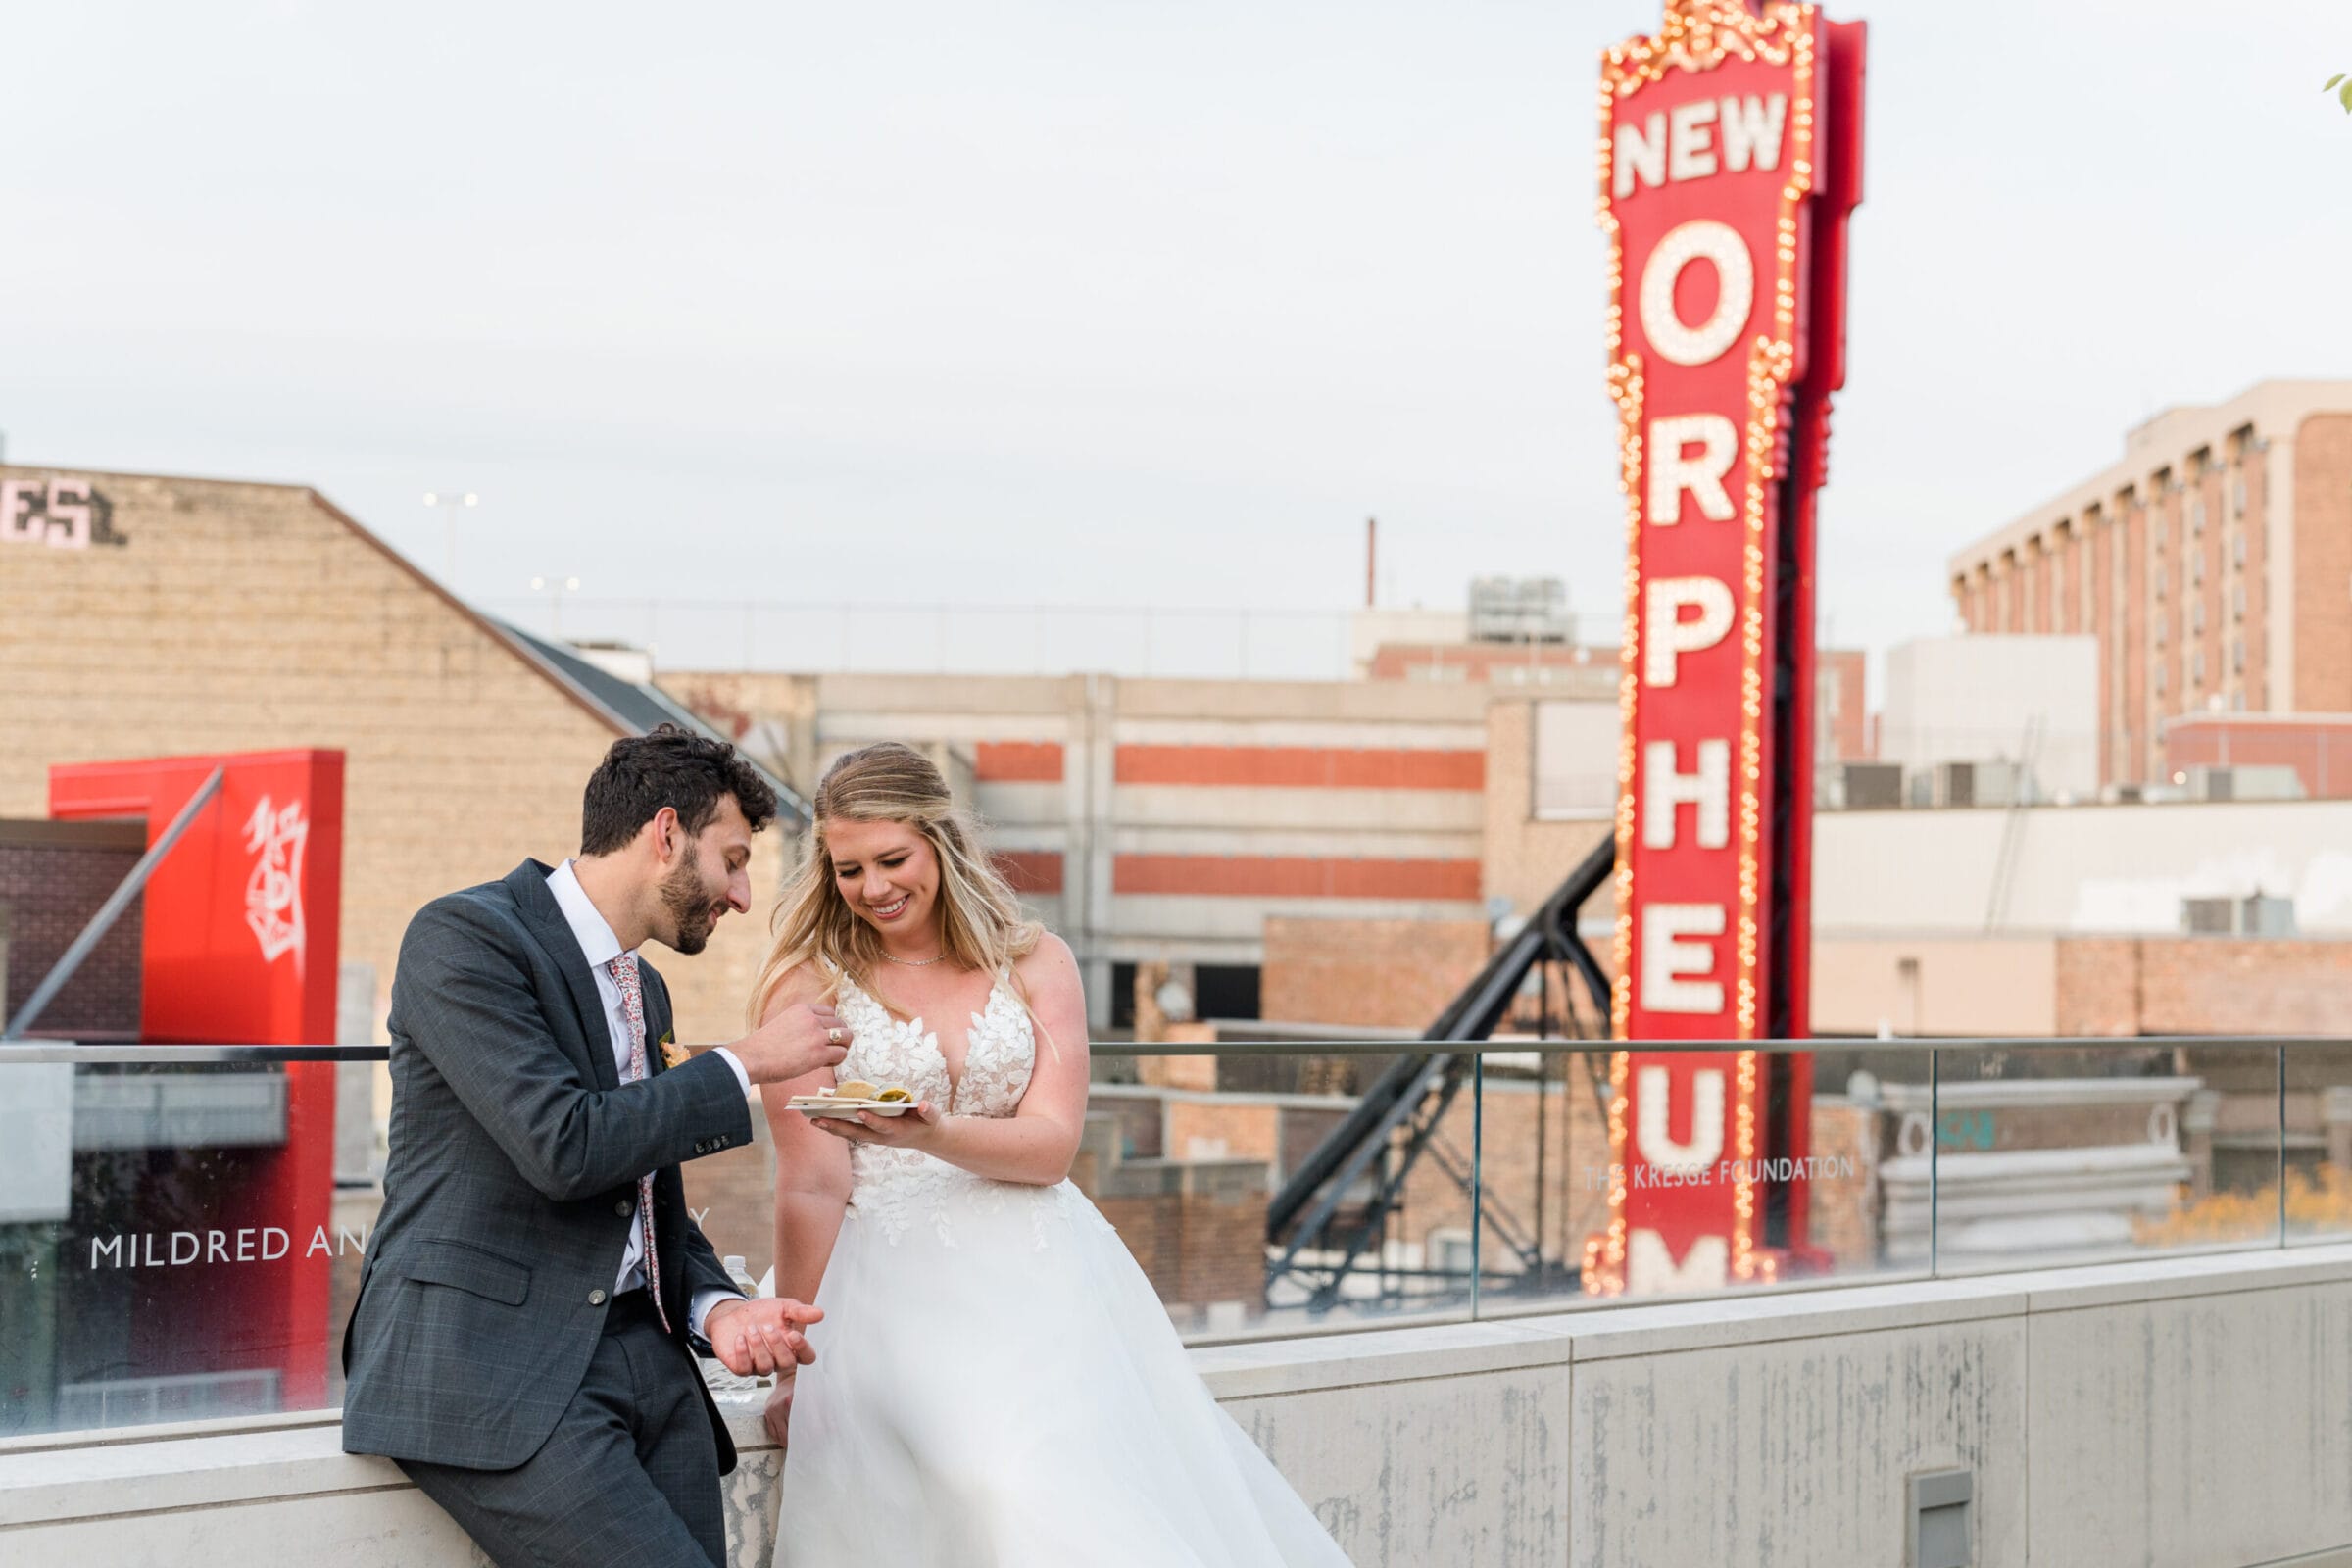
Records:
x=182, y=1231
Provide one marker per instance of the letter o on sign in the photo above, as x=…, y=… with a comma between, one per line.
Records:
x=1683, y=244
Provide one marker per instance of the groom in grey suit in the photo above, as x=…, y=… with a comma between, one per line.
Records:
x=535, y=1289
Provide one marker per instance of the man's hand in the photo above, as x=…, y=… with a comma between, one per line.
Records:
x=754, y=1339
x=801, y=1040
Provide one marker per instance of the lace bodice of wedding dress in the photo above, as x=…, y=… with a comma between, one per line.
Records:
x=896, y=1189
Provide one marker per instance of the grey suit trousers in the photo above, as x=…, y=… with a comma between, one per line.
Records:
x=627, y=1479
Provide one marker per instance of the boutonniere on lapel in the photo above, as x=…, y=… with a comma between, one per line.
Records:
x=674, y=1054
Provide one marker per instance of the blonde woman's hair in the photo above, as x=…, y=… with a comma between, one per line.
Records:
x=981, y=925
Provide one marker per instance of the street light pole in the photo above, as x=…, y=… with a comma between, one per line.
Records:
x=450, y=502
x=556, y=588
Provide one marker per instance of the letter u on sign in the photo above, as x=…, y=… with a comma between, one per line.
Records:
x=1656, y=1145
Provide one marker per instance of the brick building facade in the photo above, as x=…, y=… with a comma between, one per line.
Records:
x=2211, y=564
x=52, y=877
x=151, y=616
x=1165, y=821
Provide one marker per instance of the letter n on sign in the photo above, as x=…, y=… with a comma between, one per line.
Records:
x=1729, y=160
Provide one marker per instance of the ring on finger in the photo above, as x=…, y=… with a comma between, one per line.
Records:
x=833, y=1037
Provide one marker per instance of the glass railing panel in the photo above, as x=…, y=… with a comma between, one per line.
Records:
x=2318, y=1144
x=172, y=1244
x=1263, y=1190
x=1656, y=1174
x=2088, y=1152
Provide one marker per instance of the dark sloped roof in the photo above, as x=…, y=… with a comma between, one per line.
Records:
x=632, y=709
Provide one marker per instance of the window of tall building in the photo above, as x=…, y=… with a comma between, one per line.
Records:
x=2160, y=620
x=2196, y=616
x=2196, y=514
x=2237, y=601
x=2160, y=680
x=2238, y=495
x=2196, y=676
x=2237, y=656
x=2197, y=568
x=1576, y=760
x=2237, y=548
x=2160, y=582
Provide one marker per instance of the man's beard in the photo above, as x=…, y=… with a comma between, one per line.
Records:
x=690, y=907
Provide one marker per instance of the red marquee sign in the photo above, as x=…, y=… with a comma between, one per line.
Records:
x=1730, y=160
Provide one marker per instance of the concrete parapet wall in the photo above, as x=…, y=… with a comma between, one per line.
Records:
x=2187, y=1410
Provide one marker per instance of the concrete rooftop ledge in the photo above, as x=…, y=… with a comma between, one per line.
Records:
x=1606, y=1435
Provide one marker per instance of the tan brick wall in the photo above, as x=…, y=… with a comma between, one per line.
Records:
x=2254, y=576
x=2097, y=985
x=243, y=618
x=51, y=882
x=2210, y=598
x=2202, y=985
x=1240, y=1129
x=1843, y=709
x=2323, y=524
x=2134, y=626
x=1380, y=973
x=1525, y=861
x=1842, y=1211
x=2205, y=985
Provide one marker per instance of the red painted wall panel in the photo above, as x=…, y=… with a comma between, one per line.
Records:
x=1294, y=876
x=1302, y=767
x=1017, y=761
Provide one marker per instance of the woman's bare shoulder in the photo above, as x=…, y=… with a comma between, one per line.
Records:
x=1049, y=963
x=802, y=982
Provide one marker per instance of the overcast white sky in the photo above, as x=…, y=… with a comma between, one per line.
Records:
x=1099, y=303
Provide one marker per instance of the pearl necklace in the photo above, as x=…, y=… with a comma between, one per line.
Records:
x=912, y=963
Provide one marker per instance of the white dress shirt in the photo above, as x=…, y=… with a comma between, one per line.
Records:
x=597, y=941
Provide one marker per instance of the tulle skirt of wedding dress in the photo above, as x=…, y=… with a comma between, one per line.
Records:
x=999, y=1387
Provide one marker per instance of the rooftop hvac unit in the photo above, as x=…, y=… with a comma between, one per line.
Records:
x=1953, y=785
x=2243, y=783
x=1871, y=786
x=2260, y=915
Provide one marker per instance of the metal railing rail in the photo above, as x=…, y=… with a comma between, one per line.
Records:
x=1502, y=1046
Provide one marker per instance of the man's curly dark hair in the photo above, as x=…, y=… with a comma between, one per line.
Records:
x=674, y=766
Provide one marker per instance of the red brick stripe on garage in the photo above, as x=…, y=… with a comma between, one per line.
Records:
x=1017, y=761
x=1036, y=871
x=1302, y=767
x=1264, y=876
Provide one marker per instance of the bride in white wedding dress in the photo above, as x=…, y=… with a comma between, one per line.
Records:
x=997, y=1384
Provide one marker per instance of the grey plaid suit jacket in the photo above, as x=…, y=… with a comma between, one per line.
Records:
x=512, y=1183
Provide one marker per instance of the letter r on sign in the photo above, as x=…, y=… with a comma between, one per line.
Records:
x=1671, y=472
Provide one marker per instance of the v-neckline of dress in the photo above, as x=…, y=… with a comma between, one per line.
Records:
x=929, y=1037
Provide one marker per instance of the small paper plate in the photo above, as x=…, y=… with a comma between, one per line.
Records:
x=827, y=1105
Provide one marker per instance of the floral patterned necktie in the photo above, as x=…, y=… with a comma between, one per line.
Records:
x=624, y=970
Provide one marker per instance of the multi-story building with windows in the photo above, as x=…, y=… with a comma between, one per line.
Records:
x=2213, y=564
